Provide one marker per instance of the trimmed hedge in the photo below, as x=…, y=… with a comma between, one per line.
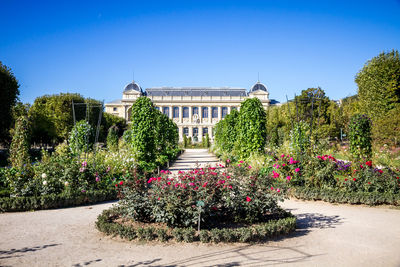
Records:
x=106, y=223
x=53, y=201
x=337, y=196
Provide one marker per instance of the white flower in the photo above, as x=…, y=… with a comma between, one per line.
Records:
x=66, y=183
x=44, y=176
x=45, y=182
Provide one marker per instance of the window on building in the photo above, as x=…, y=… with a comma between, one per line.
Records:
x=176, y=112
x=186, y=131
x=214, y=112
x=233, y=108
x=205, y=131
x=195, y=131
x=185, y=112
x=165, y=110
x=224, y=111
x=195, y=110
x=115, y=109
x=205, y=113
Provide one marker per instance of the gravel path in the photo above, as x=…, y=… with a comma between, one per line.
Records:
x=328, y=235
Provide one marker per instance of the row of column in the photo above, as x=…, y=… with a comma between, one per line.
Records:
x=200, y=112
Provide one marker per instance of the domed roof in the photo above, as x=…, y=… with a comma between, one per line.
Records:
x=133, y=87
x=258, y=86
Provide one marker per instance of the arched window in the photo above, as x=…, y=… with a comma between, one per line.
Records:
x=224, y=111
x=185, y=112
x=195, y=110
x=176, y=112
x=195, y=131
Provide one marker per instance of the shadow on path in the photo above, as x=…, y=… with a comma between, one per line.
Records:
x=248, y=255
x=4, y=254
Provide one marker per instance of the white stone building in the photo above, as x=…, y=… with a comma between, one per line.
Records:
x=195, y=110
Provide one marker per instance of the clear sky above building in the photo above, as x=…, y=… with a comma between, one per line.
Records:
x=93, y=47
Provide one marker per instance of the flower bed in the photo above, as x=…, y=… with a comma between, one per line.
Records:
x=53, y=201
x=340, y=196
x=109, y=223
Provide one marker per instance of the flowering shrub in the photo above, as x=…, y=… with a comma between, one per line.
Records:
x=80, y=137
x=319, y=171
x=227, y=196
x=287, y=170
x=366, y=178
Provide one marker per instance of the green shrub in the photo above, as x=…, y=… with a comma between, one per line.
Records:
x=162, y=235
x=19, y=148
x=112, y=138
x=360, y=137
x=81, y=137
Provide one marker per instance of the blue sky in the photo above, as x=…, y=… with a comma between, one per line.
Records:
x=93, y=47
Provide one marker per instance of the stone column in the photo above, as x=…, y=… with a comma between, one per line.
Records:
x=191, y=132
x=190, y=114
x=219, y=113
x=170, y=111
x=209, y=114
x=229, y=109
x=200, y=113
x=180, y=114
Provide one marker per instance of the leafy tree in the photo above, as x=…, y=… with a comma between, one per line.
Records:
x=19, y=148
x=143, y=129
x=52, y=117
x=225, y=131
x=81, y=137
x=379, y=84
x=251, y=128
x=300, y=138
x=9, y=91
x=112, y=138
x=360, y=136
x=167, y=135
x=387, y=129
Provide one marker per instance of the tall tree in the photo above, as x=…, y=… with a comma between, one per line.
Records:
x=251, y=128
x=379, y=84
x=9, y=92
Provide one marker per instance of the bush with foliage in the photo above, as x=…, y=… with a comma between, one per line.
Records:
x=281, y=223
x=300, y=137
x=112, y=138
x=227, y=197
x=360, y=137
x=81, y=138
x=251, y=128
x=19, y=149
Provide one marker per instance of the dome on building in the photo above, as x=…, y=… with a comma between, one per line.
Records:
x=133, y=87
x=258, y=86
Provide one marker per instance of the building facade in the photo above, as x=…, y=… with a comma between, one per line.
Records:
x=195, y=110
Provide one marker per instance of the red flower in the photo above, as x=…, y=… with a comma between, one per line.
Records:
x=354, y=179
x=369, y=182
x=121, y=183
x=368, y=163
x=248, y=199
x=116, y=185
x=380, y=171
x=345, y=179
x=205, y=184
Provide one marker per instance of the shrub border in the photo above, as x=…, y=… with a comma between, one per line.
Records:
x=339, y=196
x=53, y=201
x=106, y=223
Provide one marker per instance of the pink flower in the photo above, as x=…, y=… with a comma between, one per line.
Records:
x=121, y=183
x=297, y=169
x=249, y=167
x=241, y=161
x=108, y=169
x=283, y=155
x=283, y=165
x=239, y=165
x=205, y=184
x=228, y=160
x=272, y=188
x=278, y=190
x=248, y=199
x=97, y=179
x=288, y=178
x=84, y=164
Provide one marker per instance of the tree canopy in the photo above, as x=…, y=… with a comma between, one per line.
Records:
x=9, y=92
x=379, y=84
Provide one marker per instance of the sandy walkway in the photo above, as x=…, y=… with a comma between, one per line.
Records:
x=329, y=235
